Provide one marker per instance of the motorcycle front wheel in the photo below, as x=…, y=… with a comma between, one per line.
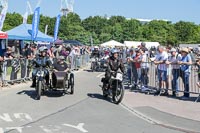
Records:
x=39, y=90
x=118, y=94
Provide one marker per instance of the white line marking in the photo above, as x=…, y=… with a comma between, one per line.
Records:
x=79, y=127
x=45, y=129
x=23, y=116
x=6, y=117
x=1, y=130
x=140, y=115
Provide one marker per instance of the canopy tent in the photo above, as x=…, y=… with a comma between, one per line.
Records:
x=112, y=43
x=3, y=35
x=136, y=44
x=73, y=43
x=23, y=32
x=59, y=42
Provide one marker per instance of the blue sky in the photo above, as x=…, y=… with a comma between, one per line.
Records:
x=173, y=10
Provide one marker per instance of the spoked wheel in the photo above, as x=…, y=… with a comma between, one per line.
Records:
x=118, y=94
x=71, y=83
x=39, y=88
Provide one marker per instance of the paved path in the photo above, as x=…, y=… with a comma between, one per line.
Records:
x=85, y=111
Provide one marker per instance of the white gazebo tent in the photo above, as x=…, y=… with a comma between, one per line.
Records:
x=112, y=43
x=136, y=44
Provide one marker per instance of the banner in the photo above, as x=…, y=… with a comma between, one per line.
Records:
x=46, y=29
x=3, y=16
x=56, y=28
x=35, y=23
x=25, y=18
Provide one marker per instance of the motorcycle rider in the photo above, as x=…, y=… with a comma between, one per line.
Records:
x=61, y=65
x=113, y=65
x=41, y=60
x=95, y=52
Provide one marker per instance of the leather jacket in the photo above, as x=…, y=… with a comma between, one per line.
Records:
x=114, y=65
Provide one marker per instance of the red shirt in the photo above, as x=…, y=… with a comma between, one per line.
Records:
x=137, y=64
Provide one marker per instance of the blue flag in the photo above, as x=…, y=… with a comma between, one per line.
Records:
x=56, y=28
x=35, y=23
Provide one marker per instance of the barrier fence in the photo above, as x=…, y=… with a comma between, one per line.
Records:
x=172, y=79
x=19, y=69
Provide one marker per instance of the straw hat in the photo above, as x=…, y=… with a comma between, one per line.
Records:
x=185, y=50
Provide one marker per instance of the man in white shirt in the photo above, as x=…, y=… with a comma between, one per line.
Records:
x=160, y=61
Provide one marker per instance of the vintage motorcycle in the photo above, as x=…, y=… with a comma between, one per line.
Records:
x=95, y=65
x=41, y=85
x=58, y=81
x=114, y=88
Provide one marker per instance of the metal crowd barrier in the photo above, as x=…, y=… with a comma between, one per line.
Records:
x=19, y=70
x=153, y=81
x=78, y=61
x=15, y=70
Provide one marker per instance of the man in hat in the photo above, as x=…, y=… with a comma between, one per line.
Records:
x=173, y=61
x=185, y=68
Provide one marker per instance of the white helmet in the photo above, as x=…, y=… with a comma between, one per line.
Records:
x=96, y=47
x=43, y=48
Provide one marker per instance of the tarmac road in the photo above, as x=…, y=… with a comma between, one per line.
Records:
x=85, y=111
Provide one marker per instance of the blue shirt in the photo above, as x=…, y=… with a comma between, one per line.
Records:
x=186, y=68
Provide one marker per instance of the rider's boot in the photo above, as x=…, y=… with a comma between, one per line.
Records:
x=33, y=83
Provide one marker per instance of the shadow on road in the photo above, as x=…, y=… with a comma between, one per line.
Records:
x=32, y=93
x=98, y=96
x=87, y=70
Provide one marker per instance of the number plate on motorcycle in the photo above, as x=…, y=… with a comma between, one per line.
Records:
x=119, y=76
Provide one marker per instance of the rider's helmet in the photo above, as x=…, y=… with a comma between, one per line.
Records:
x=43, y=49
x=96, y=47
x=114, y=51
x=143, y=44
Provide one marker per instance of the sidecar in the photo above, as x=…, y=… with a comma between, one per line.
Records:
x=62, y=81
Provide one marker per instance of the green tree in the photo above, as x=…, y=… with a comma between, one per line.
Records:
x=187, y=32
x=12, y=20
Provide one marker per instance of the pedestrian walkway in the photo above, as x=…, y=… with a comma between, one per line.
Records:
x=167, y=110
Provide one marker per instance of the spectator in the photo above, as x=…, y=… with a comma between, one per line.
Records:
x=198, y=69
x=160, y=60
x=144, y=69
x=132, y=71
x=129, y=65
x=136, y=61
x=173, y=60
x=185, y=68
